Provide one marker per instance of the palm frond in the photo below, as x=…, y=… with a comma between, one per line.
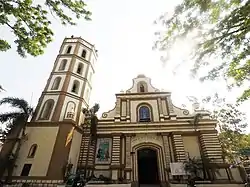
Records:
x=17, y=103
x=2, y=89
x=4, y=117
x=96, y=108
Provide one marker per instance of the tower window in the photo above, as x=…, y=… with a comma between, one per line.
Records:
x=84, y=53
x=144, y=114
x=69, y=49
x=79, y=68
x=32, y=151
x=63, y=64
x=75, y=87
x=56, y=83
x=47, y=109
x=26, y=170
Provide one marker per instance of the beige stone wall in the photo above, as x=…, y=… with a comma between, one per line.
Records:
x=45, y=138
x=191, y=145
x=75, y=149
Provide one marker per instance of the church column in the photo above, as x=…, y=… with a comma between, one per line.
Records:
x=115, y=160
x=171, y=109
x=210, y=145
x=179, y=148
x=160, y=109
x=128, y=167
x=118, y=110
x=128, y=110
x=167, y=154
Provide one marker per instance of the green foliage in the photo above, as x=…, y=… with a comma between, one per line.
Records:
x=193, y=166
x=220, y=28
x=29, y=22
x=232, y=143
x=90, y=114
x=95, y=108
x=197, y=166
x=232, y=124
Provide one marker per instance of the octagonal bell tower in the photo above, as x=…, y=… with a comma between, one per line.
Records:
x=70, y=83
x=47, y=150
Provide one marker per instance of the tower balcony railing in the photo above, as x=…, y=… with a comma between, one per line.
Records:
x=70, y=115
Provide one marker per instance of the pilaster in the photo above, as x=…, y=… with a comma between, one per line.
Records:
x=179, y=148
x=159, y=103
x=170, y=105
x=128, y=110
x=128, y=167
x=210, y=146
x=167, y=154
x=118, y=110
x=115, y=161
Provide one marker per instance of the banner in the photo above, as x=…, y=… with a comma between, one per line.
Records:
x=177, y=168
x=70, y=136
x=103, y=151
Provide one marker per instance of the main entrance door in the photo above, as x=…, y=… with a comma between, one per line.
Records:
x=147, y=166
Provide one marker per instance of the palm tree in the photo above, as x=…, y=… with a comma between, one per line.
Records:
x=90, y=121
x=194, y=167
x=14, y=132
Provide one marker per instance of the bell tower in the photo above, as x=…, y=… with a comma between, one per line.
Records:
x=47, y=150
x=69, y=85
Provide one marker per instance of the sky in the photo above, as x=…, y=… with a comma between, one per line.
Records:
x=123, y=33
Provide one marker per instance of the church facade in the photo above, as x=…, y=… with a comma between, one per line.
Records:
x=141, y=140
x=145, y=133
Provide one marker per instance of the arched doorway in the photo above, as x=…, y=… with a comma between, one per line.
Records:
x=147, y=166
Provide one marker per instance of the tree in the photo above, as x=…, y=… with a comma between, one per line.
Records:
x=196, y=166
x=232, y=124
x=220, y=29
x=14, y=132
x=91, y=121
x=29, y=22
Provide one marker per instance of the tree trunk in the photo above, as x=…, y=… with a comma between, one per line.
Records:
x=8, y=147
x=12, y=166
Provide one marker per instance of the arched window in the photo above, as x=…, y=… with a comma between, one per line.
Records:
x=56, y=83
x=84, y=53
x=69, y=49
x=70, y=109
x=142, y=87
x=75, y=87
x=32, y=151
x=63, y=64
x=79, y=68
x=47, y=109
x=144, y=114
